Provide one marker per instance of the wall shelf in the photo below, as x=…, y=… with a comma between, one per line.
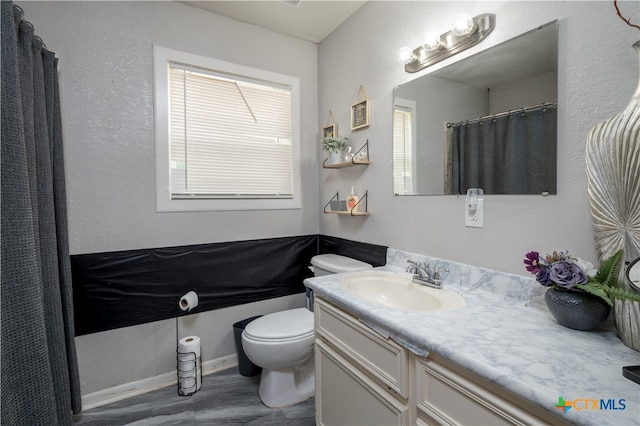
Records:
x=362, y=202
x=364, y=161
x=347, y=213
x=345, y=164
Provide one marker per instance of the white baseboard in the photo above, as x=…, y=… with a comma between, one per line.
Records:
x=127, y=390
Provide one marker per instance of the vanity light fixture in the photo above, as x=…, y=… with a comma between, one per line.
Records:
x=432, y=41
x=463, y=25
x=465, y=33
x=404, y=54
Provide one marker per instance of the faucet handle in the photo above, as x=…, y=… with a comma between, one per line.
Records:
x=436, y=273
x=419, y=264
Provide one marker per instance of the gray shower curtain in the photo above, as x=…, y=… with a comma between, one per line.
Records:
x=40, y=383
x=509, y=154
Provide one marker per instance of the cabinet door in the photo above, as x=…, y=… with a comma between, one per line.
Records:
x=383, y=358
x=446, y=397
x=344, y=396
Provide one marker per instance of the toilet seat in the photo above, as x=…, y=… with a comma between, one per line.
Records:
x=293, y=324
x=279, y=341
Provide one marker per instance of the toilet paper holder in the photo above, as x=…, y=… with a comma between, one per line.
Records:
x=188, y=363
x=189, y=370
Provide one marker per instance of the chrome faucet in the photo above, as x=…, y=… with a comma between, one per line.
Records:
x=423, y=275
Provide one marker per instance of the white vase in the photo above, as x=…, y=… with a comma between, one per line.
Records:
x=626, y=317
x=335, y=157
x=613, y=175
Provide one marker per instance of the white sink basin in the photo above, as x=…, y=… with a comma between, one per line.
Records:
x=398, y=291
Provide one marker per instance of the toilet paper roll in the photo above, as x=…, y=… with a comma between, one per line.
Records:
x=188, y=301
x=187, y=363
x=189, y=370
x=187, y=386
x=189, y=344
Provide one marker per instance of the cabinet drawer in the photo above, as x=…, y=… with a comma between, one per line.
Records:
x=383, y=358
x=348, y=397
x=446, y=397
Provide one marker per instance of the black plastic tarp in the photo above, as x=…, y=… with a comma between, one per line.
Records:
x=119, y=289
x=373, y=254
x=125, y=288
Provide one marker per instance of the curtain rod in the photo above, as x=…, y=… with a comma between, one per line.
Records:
x=543, y=105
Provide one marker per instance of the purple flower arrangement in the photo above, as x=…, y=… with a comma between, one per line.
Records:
x=567, y=273
x=558, y=269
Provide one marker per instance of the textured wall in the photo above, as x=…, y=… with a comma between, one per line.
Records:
x=106, y=83
x=598, y=72
x=106, y=80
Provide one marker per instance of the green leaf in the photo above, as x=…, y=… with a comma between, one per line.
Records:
x=597, y=289
x=622, y=294
x=610, y=269
x=331, y=143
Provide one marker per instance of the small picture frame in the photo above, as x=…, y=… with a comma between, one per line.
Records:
x=330, y=131
x=360, y=114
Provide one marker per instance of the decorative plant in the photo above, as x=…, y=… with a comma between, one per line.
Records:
x=333, y=144
x=567, y=273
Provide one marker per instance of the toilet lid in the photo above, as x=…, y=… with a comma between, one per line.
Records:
x=281, y=325
x=336, y=263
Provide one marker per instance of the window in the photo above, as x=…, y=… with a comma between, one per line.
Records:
x=227, y=136
x=404, y=147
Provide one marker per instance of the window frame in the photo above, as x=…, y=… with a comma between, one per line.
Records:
x=164, y=203
x=407, y=106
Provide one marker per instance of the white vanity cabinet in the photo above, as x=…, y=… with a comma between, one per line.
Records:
x=363, y=378
x=447, y=394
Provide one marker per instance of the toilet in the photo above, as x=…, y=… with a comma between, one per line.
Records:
x=282, y=343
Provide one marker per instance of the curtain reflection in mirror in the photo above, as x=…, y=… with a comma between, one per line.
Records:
x=512, y=153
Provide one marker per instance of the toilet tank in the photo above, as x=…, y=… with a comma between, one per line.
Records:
x=325, y=264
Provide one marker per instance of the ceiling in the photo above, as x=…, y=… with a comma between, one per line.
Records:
x=309, y=20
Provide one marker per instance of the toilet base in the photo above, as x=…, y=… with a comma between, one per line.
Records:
x=280, y=387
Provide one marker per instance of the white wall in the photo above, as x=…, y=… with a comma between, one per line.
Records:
x=106, y=85
x=598, y=72
x=106, y=80
x=529, y=92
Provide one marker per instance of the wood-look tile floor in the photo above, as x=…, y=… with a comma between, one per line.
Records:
x=225, y=398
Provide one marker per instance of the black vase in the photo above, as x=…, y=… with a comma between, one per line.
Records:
x=578, y=311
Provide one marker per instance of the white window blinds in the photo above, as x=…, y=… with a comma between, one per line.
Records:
x=402, y=151
x=229, y=136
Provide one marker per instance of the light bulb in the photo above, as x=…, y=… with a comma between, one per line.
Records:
x=432, y=41
x=463, y=25
x=405, y=54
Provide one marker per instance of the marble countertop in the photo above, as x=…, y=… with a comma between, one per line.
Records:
x=506, y=335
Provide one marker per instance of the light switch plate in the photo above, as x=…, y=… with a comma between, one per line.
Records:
x=475, y=220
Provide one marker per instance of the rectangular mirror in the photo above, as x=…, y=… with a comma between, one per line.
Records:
x=487, y=121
